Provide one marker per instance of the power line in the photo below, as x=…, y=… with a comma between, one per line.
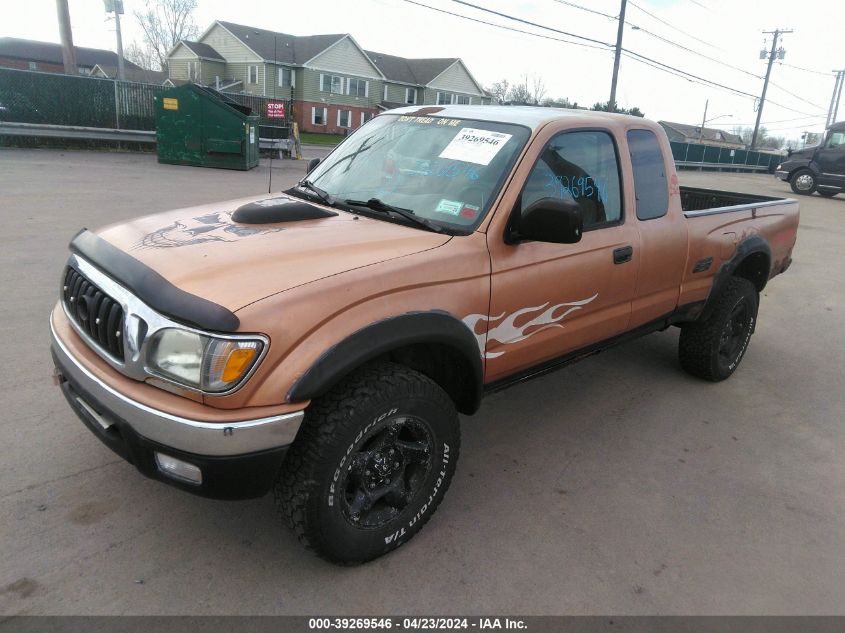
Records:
x=677, y=70
x=578, y=6
x=701, y=79
x=604, y=47
x=548, y=28
x=806, y=70
x=815, y=105
x=664, y=39
x=695, y=52
x=506, y=28
x=671, y=26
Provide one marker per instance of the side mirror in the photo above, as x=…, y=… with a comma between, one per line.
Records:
x=312, y=164
x=555, y=220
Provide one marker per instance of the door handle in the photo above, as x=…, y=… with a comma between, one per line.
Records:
x=623, y=254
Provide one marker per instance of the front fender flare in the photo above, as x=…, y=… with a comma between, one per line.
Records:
x=434, y=327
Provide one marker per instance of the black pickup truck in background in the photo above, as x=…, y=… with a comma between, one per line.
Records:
x=819, y=168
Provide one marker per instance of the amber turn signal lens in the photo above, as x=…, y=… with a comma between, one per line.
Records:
x=238, y=362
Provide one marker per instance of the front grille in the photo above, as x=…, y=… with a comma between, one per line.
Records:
x=96, y=313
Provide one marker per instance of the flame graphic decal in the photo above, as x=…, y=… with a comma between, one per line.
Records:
x=507, y=332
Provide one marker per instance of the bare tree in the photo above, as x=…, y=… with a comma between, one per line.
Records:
x=165, y=23
x=538, y=88
x=499, y=90
x=519, y=92
x=141, y=55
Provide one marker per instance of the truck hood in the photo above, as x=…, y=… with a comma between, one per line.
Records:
x=203, y=251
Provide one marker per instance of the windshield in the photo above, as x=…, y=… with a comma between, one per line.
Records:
x=445, y=170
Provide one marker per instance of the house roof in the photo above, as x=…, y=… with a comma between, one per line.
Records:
x=141, y=75
x=410, y=71
x=49, y=52
x=281, y=47
x=200, y=49
x=708, y=133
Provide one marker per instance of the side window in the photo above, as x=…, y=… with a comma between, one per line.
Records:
x=581, y=166
x=837, y=139
x=650, y=186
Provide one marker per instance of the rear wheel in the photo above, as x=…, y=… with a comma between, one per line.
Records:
x=712, y=349
x=803, y=182
x=370, y=465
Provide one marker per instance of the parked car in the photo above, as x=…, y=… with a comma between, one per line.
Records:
x=819, y=168
x=321, y=342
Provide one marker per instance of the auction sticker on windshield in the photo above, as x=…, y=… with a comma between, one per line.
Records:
x=475, y=146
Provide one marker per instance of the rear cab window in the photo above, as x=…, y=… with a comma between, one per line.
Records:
x=651, y=188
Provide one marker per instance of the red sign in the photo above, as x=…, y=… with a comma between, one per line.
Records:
x=275, y=110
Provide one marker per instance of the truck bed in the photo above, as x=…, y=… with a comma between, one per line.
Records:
x=718, y=222
x=711, y=200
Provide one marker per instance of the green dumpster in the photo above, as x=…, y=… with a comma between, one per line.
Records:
x=198, y=126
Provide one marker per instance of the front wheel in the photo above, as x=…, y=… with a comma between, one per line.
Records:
x=713, y=348
x=370, y=465
x=803, y=182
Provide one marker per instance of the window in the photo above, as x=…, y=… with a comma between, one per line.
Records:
x=285, y=78
x=384, y=95
x=343, y=118
x=252, y=74
x=33, y=66
x=410, y=95
x=461, y=99
x=366, y=116
x=579, y=166
x=193, y=71
x=356, y=87
x=332, y=84
x=650, y=186
x=837, y=139
x=318, y=116
x=444, y=98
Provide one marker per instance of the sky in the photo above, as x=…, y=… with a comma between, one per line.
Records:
x=729, y=33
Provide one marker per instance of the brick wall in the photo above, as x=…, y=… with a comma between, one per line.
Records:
x=23, y=64
x=302, y=110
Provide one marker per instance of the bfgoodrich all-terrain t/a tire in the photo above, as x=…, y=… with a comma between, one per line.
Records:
x=713, y=348
x=370, y=465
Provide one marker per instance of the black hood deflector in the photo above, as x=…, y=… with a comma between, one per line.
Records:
x=279, y=209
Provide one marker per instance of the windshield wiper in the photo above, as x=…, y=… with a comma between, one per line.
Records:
x=325, y=196
x=379, y=205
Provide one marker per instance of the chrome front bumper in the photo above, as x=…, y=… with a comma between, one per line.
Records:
x=191, y=436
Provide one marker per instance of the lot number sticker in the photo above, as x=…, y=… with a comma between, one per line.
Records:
x=475, y=146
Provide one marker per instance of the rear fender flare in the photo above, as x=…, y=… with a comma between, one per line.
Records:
x=752, y=245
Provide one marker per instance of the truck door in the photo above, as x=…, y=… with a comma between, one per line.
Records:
x=831, y=160
x=551, y=299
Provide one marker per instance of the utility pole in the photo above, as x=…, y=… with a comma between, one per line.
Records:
x=703, y=121
x=611, y=104
x=774, y=52
x=835, y=111
x=836, y=83
x=118, y=9
x=68, y=52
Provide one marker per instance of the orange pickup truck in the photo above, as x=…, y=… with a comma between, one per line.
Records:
x=321, y=341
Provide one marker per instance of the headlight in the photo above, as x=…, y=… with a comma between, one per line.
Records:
x=201, y=361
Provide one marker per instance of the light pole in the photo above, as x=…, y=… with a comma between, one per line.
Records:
x=705, y=120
